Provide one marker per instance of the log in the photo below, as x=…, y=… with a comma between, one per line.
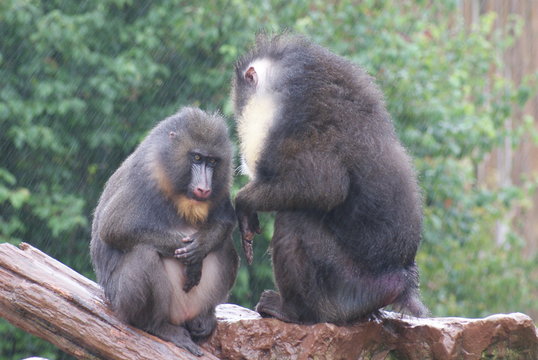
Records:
x=242, y=334
x=50, y=300
x=46, y=298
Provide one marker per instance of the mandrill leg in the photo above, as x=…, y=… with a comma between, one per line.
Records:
x=203, y=325
x=270, y=305
x=179, y=336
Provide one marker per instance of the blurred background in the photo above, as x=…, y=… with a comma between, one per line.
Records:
x=82, y=82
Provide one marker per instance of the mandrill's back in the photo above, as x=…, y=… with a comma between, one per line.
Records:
x=329, y=163
x=334, y=108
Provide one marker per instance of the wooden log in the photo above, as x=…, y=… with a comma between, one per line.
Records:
x=48, y=299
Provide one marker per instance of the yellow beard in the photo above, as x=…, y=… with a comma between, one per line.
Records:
x=194, y=212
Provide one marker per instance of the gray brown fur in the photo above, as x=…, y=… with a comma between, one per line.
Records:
x=148, y=257
x=348, y=207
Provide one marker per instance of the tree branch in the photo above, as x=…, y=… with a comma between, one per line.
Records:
x=48, y=299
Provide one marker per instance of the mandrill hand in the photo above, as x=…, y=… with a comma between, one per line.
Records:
x=192, y=255
x=249, y=225
x=193, y=252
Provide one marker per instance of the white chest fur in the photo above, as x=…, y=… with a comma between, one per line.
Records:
x=253, y=128
x=257, y=117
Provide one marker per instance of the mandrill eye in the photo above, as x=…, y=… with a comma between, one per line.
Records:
x=197, y=158
x=212, y=162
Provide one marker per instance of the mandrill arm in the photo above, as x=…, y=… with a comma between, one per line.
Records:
x=211, y=234
x=309, y=180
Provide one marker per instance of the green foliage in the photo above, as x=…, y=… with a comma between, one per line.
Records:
x=83, y=82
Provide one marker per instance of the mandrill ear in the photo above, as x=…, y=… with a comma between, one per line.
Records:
x=251, y=76
x=172, y=134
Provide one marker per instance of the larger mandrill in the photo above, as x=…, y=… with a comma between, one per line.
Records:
x=321, y=151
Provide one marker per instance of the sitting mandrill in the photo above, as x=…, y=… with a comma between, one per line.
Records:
x=322, y=152
x=161, y=235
